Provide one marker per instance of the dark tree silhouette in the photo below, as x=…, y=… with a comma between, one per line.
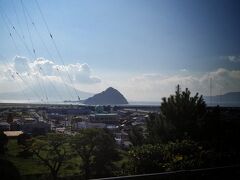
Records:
x=97, y=151
x=10, y=118
x=3, y=142
x=135, y=135
x=8, y=171
x=184, y=112
x=23, y=141
x=158, y=129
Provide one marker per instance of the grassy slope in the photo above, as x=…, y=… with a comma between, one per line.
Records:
x=34, y=166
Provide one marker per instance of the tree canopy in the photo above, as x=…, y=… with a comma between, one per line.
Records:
x=180, y=116
x=51, y=150
x=97, y=149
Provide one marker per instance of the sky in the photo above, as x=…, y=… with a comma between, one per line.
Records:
x=143, y=48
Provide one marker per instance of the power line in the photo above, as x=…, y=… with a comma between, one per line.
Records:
x=10, y=34
x=41, y=39
x=2, y=15
x=55, y=45
x=34, y=52
x=17, y=17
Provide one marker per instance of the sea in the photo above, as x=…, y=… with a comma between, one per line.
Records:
x=131, y=103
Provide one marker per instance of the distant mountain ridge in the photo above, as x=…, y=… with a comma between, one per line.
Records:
x=110, y=96
x=57, y=93
x=228, y=97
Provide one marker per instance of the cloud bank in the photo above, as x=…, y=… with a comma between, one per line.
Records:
x=142, y=87
x=152, y=87
x=71, y=73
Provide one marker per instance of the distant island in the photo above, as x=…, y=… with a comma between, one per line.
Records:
x=110, y=96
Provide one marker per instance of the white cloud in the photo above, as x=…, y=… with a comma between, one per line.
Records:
x=183, y=70
x=82, y=74
x=78, y=73
x=232, y=58
x=21, y=64
x=40, y=72
x=43, y=66
x=143, y=87
x=152, y=87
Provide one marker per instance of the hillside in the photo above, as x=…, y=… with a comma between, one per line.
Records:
x=228, y=99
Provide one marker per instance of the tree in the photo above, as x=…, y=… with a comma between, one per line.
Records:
x=147, y=158
x=184, y=112
x=10, y=118
x=3, y=142
x=8, y=170
x=97, y=151
x=52, y=150
x=136, y=136
x=158, y=129
x=174, y=155
x=23, y=141
x=23, y=138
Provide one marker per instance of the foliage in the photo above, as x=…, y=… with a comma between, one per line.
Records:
x=8, y=170
x=3, y=142
x=181, y=115
x=158, y=129
x=135, y=135
x=220, y=133
x=52, y=151
x=184, y=112
x=185, y=154
x=23, y=138
x=23, y=141
x=97, y=150
x=10, y=118
x=145, y=159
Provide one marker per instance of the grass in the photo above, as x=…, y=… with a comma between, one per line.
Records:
x=24, y=165
x=31, y=165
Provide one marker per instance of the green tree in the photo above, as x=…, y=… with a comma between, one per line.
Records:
x=23, y=141
x=184, y=113
x=52, y=150
x=136, y=136
x=158, y=129
x=174, y=155
x=145, y=159
x=97, y=151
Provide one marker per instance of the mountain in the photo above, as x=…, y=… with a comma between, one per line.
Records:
x=110, y=96
x=55, y=93
x=225, y=99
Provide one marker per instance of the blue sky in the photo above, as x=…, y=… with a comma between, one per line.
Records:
x=122, y=39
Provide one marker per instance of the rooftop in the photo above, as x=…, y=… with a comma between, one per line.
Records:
x=12, y=133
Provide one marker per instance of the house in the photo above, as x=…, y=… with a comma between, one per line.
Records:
x=12, y=134
x=84, y=125
x=4, y=126
x=111, y=118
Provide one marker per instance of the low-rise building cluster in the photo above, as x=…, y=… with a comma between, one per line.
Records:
x=70, y=120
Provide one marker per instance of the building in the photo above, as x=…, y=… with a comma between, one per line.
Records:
x=4, y=126
x=12, y=134
x=84, y=125
x=35, y=126
x=111, y=118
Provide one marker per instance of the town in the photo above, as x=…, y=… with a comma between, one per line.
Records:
x=38, y=119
